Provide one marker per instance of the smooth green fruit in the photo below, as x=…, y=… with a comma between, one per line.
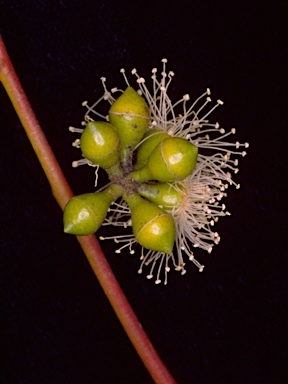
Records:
x=152, y=139
x=84, y=214
x=172, y=160
x=153, y=227
x=130, y=116
x=100, y=143
x=161, y=194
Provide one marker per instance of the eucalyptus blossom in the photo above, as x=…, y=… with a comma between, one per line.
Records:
x=190, y=191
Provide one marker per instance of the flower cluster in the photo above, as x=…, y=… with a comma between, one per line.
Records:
x=164, y=160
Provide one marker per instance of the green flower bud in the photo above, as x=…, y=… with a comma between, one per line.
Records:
x=161, y=194
x=152, y=139
x=172, y=160
x=100, y=143
x=152, y=227
x=175, y=159
x=130, y=116
x=84, y=214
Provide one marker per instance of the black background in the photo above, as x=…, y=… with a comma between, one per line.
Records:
x=225, y=325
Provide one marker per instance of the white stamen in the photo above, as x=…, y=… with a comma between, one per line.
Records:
x=77, y=163
x=76, y=130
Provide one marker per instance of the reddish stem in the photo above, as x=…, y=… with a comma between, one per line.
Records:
x=62, y=193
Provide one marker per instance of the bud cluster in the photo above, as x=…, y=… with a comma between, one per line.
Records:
x=159, y=184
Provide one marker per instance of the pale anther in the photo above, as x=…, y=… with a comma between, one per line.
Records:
x=76, y=143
